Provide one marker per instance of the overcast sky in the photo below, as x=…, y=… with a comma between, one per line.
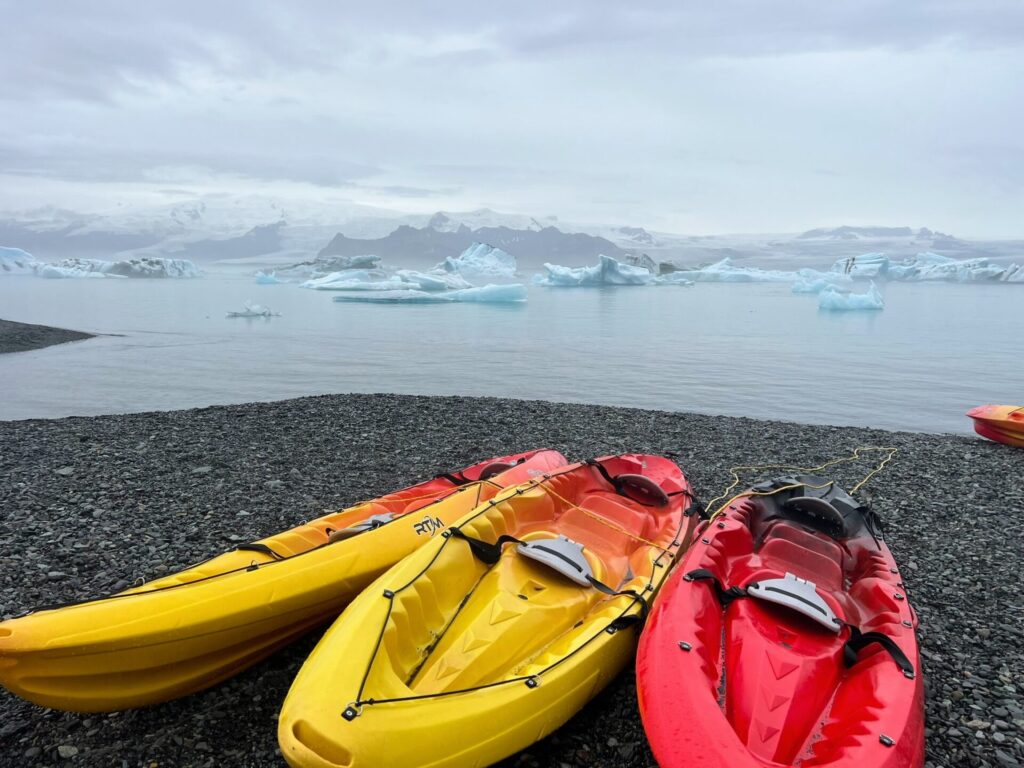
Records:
x=701, y=117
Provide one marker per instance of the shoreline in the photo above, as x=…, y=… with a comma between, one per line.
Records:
x=94, y=503
x=24, y=337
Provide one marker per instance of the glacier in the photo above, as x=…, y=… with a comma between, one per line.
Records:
x=487, y=294
x=836, y=300
x=14, y=261
x=608, y=271
x=480, y=260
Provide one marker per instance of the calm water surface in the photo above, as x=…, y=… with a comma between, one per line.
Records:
x=747, y=350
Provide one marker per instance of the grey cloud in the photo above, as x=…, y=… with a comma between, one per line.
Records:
x=76, y=163
x=409, y=192
x=92, y=51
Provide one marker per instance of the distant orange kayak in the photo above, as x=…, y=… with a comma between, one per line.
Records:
x=1002, y=423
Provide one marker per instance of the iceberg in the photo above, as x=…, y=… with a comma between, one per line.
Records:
x=813, y=281
x=836, y=300
x=268, y=278
x=379, y=280
x=932, y=266
x=481, y=260
x=725, y=272
x=350, y=280
x=1013, y=274
x=14, y=261
x=867, y=265
x=487, y=294
x=57, y=272
x=673, y=278
x=145, y=266
x=926, y=266
x=607, y=271
x=432, y=281
x=325, y=265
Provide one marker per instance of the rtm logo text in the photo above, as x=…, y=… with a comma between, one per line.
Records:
x=428, y=525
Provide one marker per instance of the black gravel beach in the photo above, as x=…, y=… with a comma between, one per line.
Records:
x=91, y=505
x=21, y=337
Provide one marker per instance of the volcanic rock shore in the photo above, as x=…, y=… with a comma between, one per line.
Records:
x=21, y=337
x=91, y=505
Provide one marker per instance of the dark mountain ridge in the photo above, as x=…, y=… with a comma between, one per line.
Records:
x=530, y=247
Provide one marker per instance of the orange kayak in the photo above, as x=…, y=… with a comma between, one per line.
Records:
x=191, y=629
x=1002, y=423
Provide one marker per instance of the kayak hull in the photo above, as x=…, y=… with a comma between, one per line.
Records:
x=730, y=680
x=449, y=661
x=192, y=629
x=1001, y=423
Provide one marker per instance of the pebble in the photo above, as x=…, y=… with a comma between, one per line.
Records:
x=67, y=751
x=953, y=520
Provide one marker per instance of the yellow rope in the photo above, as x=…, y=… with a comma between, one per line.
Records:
x=734, y=471
x=383, y=500
x=602, y=520
x=876, y=470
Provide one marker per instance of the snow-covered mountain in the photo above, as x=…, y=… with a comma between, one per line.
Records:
x=262, y=230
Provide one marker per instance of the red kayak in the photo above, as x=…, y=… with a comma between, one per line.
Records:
x=1002, y=423
x=784, y=638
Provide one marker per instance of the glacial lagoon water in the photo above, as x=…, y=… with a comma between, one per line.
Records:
x=737, y=349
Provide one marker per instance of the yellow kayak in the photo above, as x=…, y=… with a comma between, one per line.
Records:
x=490, y=637
x=192, y=629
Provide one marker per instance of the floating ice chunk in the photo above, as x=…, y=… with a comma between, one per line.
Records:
x=725, y=272
x=813, y=281
x=673, y=278
x=804, y=285
x=55, y=272
x=324, y=265
x=380, y=280
x=14, y=261
x=838, y=301
x=481, y=260
x=268, y=278
x=151, y=267
x=488, y=294
x=432, y=281
x=1013, y=274
x=932, y=266
x=923, y=267
x=352, y=280
x=491, y=294
x=607, y=271
x=145, y=266
x=867, y=265
x=254, y=310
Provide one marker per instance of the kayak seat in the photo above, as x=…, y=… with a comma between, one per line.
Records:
x=562, y=555
x=607, y=524
x=790, y=549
